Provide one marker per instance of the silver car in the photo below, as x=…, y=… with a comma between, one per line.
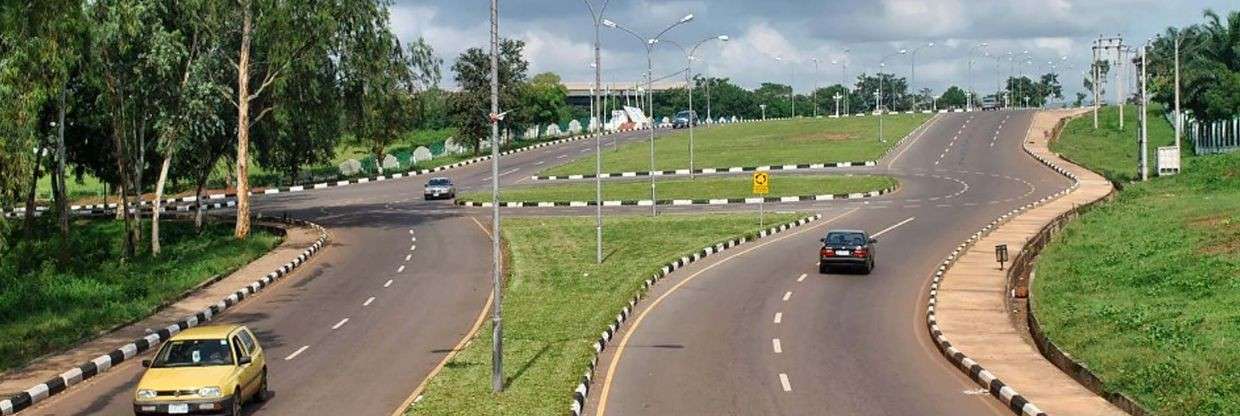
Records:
x=438, y=188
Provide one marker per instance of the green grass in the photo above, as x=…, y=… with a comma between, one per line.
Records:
x=782, y=142
x=557, y=301
x=47, y=306
x=702, y=188
x=1109, y=151
x=1145, y=290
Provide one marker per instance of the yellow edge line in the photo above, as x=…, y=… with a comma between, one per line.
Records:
x=615, y=359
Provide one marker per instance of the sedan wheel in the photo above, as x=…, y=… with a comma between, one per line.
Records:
x=263, y=391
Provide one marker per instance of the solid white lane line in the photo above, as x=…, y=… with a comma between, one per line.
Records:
x=368, y=300
x=400, y=269
x=340, y=324
x=296, y=353
x=775, y=345
x=885, y=230
x=802, y=278
x=408, y=256
x=389, y=283
x=787, y=295
x=779, y=317
x=783, y=379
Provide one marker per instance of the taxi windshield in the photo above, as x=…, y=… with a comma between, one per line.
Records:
x=194, y=353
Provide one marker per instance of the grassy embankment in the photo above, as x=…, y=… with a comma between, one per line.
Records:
x=781, y=142
x=1145, y=289
x=557, y=300
x=701, y=188
x=47, y=305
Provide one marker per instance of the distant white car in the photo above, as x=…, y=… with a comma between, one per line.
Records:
x=437, y=188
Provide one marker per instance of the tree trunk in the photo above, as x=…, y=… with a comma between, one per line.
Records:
x=202, y=181
x=243, y=128
x=34, y=188
x=62, y=202
x=158, y=204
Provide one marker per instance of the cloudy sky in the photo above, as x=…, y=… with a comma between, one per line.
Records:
x=558, y=35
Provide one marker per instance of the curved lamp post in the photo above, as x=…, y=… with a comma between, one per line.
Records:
x=689, y=58
x=969, y=97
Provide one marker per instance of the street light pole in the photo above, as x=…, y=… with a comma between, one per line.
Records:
x=969, y=96
x=1145, y=132
x=878, y=104
x=913, y=74
x=814, y=93
x=792, y=95
x=689, y=57
x=497, y=337
x=650, y=44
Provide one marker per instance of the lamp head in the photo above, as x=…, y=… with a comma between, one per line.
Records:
x=687, y=18
x=931, y=44
x=609, y=23
x=723, y=38
x=903, y=51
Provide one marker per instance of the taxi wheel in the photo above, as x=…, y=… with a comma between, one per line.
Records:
x=263, y=392
x=235, y=409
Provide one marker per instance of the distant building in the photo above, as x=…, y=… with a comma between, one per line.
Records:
x=579, y=92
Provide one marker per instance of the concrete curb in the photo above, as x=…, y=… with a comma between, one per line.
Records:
x=1007, y=395
x=103, y=363
x=681, y=202
x=583, y=387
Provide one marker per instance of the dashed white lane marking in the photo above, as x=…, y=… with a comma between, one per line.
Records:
x=389, y=283
x=787, y=295
x=400, y=269
x=340, y=324
x=779, y=317
x=290, y=357
x=408, y=256
x=368, y=300
x=802, y=278
x=775, y=346
x=885, y=230
x=513, y=170
x=783, y=380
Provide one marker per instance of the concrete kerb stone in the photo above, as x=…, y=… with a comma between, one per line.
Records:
x=103, y=363
x=681, y=202
x=1007, y=395
x=582, y=391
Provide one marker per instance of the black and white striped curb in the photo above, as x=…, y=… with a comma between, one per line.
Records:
x=738, y=169
x=583, y=387
x=681, y=202
x=733, y=169
x=1006, y=394
x=103, y=363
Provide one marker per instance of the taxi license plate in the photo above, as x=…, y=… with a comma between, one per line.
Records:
x=178, y=409
x=843, y=253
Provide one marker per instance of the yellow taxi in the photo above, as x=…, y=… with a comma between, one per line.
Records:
x=208, y=370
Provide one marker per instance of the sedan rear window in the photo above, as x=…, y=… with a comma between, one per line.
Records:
x=845, y=239
x=194, y=353
x=439, y=182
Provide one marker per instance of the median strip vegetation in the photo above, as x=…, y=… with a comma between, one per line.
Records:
x=1109, y=151
x=557, y=301
x=701, y=188
x=783, y=142
x=1144, y=290
x=52, y=302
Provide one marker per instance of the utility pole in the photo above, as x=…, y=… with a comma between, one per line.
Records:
x=497, y=337
x=1145, y=132
x=1179, y=118
x=814, y=93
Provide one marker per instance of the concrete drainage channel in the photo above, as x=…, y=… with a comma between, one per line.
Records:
x=103, y=363
x=583, y=387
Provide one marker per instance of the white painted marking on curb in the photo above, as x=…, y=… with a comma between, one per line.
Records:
x=787, y=295
x=408, y=256
x=389, y=283
x=802, y=278
x=400, y=269
x=413, y=247
x=783, y=379
x=368, y=300
x=340, y=324
x=779, y=317
x=775, y=346
x=296, y=353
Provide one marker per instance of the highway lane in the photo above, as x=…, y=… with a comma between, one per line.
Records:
x=745, y=334
x=410, y=276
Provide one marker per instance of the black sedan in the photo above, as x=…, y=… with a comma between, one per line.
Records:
x=849, y=248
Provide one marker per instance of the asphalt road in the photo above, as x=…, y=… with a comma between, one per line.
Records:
x=411, y=277
x=760, y=332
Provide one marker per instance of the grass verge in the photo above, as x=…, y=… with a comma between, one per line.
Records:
x=701, y=188
x=557, y=300
x=48, y=306
x=1145, y=289
x=1109, y=151
x=798, y=141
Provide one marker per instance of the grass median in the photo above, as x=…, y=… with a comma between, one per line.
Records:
x=1145, y=289
x=47, y=306
x=701, y=188
x=800, y=141
x=557, y=301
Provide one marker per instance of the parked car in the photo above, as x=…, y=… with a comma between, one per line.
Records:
x=990, y=103
x=439, y=188
x=205, y=370
x=849, y=248
x=684, y=118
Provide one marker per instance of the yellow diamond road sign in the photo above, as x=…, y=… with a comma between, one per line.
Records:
x=761, y=183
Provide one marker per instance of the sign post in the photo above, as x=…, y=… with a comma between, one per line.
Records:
x=761, y=187
x=1001, y=254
